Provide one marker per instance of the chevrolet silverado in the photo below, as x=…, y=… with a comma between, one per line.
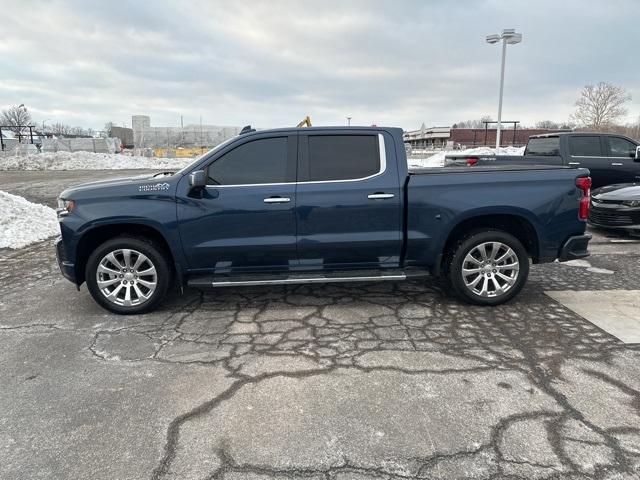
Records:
x=329, y=204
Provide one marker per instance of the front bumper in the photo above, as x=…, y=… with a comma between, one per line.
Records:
x=614, y=216
x=574, y=248
x=67, y=268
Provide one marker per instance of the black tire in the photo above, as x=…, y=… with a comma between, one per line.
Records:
x=158, y=258
x=473, y=242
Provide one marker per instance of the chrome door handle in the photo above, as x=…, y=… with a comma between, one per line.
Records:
x=617, y=164
x=277, y=200
x=574, y=163
x=379, y=196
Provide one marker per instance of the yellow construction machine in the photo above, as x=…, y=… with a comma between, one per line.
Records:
x=306, y=122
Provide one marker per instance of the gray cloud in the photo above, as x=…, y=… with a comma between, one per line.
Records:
x=271, y=63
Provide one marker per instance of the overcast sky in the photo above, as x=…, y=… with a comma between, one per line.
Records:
x=270, y=63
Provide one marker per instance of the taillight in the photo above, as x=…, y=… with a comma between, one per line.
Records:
x=584, y=184
x=471, y=161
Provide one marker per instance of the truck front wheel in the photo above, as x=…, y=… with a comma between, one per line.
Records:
x=128, y=275
x=488, y=267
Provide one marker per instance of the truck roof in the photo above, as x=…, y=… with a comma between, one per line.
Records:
x=323, y=129
x=577, y=134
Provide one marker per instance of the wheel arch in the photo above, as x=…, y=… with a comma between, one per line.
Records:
x=517, y=225
x=99, y=234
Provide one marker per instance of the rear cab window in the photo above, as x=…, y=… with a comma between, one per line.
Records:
x=340, y=157
x=543, y=146
x=585, y=146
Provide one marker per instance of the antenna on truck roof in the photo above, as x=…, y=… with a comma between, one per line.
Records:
x=247, y=129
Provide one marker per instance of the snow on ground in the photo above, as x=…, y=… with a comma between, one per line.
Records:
x=437, y=160
x=23, y=222
x=88, y=161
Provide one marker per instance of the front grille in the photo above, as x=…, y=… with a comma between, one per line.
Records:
x=610, y=217
x=608, y=202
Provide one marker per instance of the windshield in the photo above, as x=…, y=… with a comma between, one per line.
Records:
x=544, y=146
x=197, y=159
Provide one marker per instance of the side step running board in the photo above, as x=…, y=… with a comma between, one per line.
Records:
x=342, y=277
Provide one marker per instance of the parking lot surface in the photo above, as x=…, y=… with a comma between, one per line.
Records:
x=349, y=381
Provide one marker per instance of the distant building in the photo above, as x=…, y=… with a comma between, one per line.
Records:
x=428, y=138
x=124, y=134
x=435, y=138
x=8, y=140
x=189, y=136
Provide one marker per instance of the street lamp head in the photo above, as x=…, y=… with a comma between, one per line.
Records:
x=493, y=38
x=511, y=37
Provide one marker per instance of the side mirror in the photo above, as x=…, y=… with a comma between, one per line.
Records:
x=638, y=153
x=198, y=179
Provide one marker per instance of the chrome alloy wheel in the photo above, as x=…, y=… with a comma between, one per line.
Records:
x=490, y=269
x=126, y=277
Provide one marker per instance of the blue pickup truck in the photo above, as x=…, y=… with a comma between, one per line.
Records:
x=330, y=204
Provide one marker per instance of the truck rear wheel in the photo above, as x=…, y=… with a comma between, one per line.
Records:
x=128, y=275
x=488, y=267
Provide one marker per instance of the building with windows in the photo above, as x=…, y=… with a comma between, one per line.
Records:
x=424, y=138
x=146, y=136
x=437, y=138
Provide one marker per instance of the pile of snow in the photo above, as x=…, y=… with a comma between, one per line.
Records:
x=88, y=161
x=437, y=160
x=23, y=222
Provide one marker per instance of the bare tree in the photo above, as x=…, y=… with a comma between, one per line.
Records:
x=547, y=124
x=568, y=125
x=60, y=129
x=601, y=105
x=15, y=117
x=477, y=123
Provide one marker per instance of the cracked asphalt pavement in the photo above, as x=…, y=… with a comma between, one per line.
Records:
x=334, y=382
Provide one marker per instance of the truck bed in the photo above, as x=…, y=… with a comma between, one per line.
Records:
x=482, y=168
x=459, y=160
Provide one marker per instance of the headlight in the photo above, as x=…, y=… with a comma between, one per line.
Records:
x=65, y=206
x=631, y=203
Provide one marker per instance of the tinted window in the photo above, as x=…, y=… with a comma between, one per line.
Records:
x=620, y=147
x=585, y=146
x=259, y=161
x=336, y=157
x=543, y=146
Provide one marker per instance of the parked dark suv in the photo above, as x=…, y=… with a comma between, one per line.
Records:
x=610, y=158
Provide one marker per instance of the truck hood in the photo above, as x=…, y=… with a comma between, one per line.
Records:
x=148, y=183
x=621, y=191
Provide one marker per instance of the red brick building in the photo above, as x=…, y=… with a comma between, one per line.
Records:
x=474, y=137
x=444, y=137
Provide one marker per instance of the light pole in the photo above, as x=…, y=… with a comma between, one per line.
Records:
x=509, y=36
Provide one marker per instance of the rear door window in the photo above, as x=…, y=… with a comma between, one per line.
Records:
x=544, y=146
x=585, y=146
x=342, y=157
